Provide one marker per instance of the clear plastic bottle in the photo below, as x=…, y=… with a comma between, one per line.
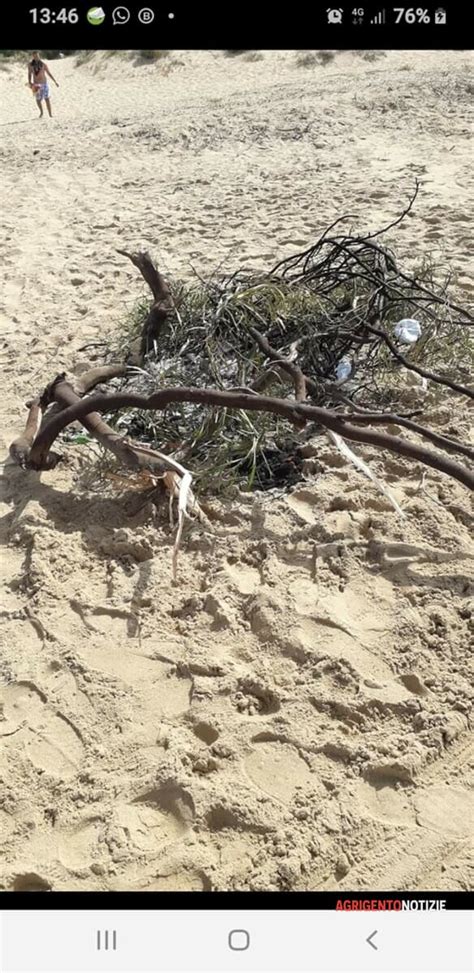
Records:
x=344, y=369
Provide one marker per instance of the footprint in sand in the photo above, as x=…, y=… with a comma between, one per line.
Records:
x=77, y=847
x=446, y=810
x=245, y=578
x=158, y=693
x=384, y=804
x=156, y=818
x=40, y=732
x=278, y=770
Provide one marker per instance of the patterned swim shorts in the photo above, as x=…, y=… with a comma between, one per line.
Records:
x=42, y=92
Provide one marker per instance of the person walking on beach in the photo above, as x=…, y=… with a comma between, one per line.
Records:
x=38, y=74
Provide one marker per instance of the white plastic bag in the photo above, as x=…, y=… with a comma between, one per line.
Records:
x=408, y=330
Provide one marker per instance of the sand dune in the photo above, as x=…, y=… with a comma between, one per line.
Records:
x=295, y=714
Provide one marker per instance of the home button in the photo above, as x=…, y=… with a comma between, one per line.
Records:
x=239, y=940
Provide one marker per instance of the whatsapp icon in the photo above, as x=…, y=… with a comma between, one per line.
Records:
x=96, y=15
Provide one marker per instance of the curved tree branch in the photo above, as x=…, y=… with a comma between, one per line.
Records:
x=386, y=418
x=101, y=373
x=288, y=366
x=293, y=411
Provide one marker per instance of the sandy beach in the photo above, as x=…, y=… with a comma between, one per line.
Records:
x=266, y=723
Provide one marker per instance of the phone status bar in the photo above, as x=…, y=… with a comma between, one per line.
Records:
x=120, y=16
x=133, y=24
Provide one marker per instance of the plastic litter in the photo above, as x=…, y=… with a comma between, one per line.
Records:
x=408, y=330
x=343, y=369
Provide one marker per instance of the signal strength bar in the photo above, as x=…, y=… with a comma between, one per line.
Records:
x=379, y=18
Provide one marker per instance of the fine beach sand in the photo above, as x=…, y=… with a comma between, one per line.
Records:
x=294, y=714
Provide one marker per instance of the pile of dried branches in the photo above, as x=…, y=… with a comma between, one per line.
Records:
x=239, y=367
x=337, y=301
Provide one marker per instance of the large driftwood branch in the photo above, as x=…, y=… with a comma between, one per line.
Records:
x=295, y=412
x=130, y=454
x=20, y=448
x=101, y=373
x=162, y=299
